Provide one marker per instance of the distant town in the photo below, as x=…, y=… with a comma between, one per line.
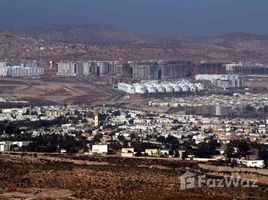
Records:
x=133, y=100
x=204, y=112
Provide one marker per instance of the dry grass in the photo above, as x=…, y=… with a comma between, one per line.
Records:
x=108, y=182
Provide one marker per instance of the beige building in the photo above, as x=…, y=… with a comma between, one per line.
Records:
x=67, y=69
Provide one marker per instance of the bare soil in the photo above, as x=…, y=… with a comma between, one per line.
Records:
x=58, y=90
x=109, y=178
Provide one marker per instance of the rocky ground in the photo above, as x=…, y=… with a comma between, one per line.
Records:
x=42, y=178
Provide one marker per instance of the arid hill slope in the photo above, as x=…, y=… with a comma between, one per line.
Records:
x=106, y=42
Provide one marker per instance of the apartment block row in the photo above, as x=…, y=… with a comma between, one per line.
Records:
x=25, y=69
x=143, y=70
x=97, y=68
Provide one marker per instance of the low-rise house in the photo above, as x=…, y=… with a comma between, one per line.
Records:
x=100, y=148
x=251, y=163
x=127, y=154
x=6, y=145
x=152, y=152
x=127, y=150
x=62, y=151
x=254, y=163
x=21, y=143
x=164, y=152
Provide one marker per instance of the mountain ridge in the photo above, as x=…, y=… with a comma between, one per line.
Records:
x=88, y=33
x=109, y=42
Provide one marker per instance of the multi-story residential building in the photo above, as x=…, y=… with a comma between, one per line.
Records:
x=18, y=71
x=67, y=69
x=3, y=71
x=25, y=69
x=85, y=68
x=223, y=80
x=161, y=70
x=3, y=64
x=208, y=68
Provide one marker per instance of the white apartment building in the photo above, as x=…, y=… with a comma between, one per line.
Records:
x=3, y=64
x=3, y=71
x=224, y=81
x=20, y=71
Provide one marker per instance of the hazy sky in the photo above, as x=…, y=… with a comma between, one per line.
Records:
x=152, y=17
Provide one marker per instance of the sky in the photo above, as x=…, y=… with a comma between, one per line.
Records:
x=149, y=17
